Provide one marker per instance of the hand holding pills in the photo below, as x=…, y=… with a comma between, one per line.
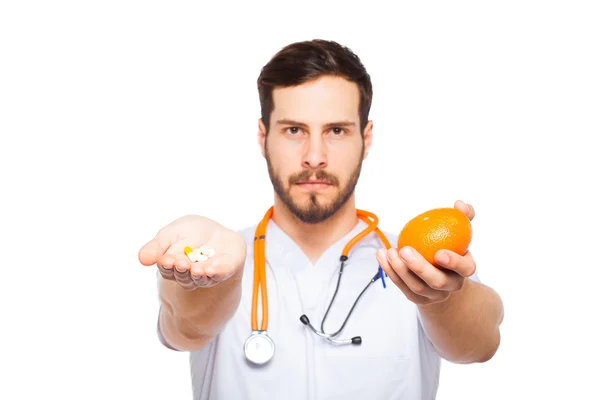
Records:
x=195, y=252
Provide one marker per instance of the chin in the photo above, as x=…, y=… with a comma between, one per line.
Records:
x=309, y=198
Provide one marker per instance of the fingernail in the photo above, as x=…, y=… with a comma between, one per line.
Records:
x=407, y=253
x=381, y=253
x=442, y=258
x=180, y=266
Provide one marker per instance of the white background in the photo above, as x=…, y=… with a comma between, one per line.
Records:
x=119, y=116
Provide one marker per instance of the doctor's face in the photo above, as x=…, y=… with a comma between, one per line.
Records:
x=314, y=148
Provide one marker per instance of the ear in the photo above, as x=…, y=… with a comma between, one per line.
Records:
x=262, y=135
x=368, y=138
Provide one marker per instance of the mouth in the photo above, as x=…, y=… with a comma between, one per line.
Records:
x=314, y=185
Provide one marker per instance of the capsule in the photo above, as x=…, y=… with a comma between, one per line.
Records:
x=191, y=255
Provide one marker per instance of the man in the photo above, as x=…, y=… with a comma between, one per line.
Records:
x=314, y=133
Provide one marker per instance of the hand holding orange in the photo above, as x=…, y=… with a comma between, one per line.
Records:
x=414, y=267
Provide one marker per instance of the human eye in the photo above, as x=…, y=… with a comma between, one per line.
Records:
x=293, y=130
x=337, y=131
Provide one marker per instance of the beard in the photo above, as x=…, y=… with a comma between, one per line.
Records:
x=315, y=212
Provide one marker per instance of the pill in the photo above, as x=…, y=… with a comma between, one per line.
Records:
x=190, y=254
x=207, y=251
x=210, y=252
x=198, y=254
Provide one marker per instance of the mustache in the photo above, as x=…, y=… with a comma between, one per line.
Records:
x=319, y=175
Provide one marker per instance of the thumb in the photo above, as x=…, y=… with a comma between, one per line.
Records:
x=151, y=251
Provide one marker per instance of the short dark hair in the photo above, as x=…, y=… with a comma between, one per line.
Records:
x=301, y=62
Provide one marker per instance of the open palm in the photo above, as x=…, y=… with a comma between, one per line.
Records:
x=166, y=250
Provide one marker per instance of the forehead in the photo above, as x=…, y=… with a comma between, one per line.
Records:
x=324, y=99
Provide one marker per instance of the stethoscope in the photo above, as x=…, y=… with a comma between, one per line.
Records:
x=259, y=347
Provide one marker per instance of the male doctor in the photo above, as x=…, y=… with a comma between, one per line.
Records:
x=314, y=134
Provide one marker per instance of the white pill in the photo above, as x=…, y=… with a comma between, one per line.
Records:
x=198, y=254
x=207, y=251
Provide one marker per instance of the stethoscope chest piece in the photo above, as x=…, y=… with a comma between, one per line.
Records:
x=259, y=347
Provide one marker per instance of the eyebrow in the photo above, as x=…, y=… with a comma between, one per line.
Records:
x=303, y=125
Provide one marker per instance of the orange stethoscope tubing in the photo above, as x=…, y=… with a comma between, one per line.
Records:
x=260, y=278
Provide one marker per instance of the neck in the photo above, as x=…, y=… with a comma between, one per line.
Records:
x=314, y=239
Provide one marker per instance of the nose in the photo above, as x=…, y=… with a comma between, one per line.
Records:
x=315, y=155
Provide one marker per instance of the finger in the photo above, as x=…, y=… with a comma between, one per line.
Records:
x=153, y=250
x=462, y=265
x=165, y=266
x=221, y=267
x=184, y=279
x=414, y=282
x=415, y=289
x=177, y=269
x=198, y=274
x=465, y=208
x=182, y=263
x=384, y=263
x=201, y=280
x=166, y=273
x=434, y=277
x=387, y=268
x=167, y=261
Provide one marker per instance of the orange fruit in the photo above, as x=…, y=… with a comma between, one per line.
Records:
x=437, y=229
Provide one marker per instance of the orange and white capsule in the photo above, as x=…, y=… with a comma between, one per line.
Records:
x=191, y=255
